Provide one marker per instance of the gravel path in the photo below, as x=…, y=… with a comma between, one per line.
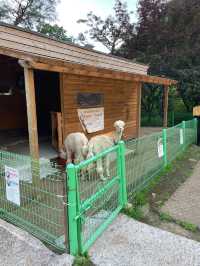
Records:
x=18, y=248
x=130, y=243
x=184, y=204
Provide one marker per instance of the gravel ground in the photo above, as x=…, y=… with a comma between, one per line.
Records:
x=129, y=242
x=18, y=248
x=184, y=204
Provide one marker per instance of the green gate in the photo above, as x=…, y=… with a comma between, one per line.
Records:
x=93, y=203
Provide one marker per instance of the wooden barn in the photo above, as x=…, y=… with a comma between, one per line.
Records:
x=50, y=88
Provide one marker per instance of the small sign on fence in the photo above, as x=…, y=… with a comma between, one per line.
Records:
x=160, y=148
x=181, y=136
x=12, y=185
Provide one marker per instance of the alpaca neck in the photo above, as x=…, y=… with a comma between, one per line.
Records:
x=117, y=137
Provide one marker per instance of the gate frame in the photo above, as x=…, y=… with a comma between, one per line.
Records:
x=75, y=244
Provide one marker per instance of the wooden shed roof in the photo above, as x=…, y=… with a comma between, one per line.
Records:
x=41, y=52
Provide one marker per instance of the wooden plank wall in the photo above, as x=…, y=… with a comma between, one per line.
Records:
x=12, y=108
x=120, y=102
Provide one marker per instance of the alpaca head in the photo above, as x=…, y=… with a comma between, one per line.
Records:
x=119, y=126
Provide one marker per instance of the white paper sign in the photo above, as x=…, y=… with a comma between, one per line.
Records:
x=12, y=185
x=92, y=119
x=181, y=136
x=160, y=148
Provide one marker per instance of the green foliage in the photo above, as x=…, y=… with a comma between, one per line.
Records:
x=166, y=37
x=82, y=260
x=54, y=31
x=135, y=213
x=188, y=226
x=165, y=217
x=169, y=32
x=27, y=13
x=140, y=199
x=113, y=30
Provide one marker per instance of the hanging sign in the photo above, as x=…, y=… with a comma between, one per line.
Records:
x=92, y=119
x=12, y=185
x=160, y=148
x=181, y=136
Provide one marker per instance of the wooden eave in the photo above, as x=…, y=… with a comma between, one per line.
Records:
x=42, y=53
x=96, y=72
x=34, y=44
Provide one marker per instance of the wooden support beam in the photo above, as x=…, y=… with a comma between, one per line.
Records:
x=165, y=106
x=78, y=69
x=139, y=97
x=31, y=112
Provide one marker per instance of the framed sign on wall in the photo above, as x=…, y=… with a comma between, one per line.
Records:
x=92, y=119
x=89, y=100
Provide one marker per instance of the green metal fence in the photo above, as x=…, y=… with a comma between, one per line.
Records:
x=73, y=209
x=32, y=196
x=93, y=203
x=149, y=155
x=142, y=161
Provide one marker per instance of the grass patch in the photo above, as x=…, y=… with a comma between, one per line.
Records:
x=141, y=198
x=135, y=213
x=83, y=260
x=188, y=226
x=165, y=217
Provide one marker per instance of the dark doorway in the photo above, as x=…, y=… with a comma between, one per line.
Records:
x=47, y=91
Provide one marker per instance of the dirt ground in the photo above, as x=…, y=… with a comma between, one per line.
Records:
x=174, y=203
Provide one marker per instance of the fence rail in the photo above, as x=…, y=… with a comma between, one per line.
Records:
x=72, y=209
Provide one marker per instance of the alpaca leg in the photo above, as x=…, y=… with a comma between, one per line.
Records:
x=83, y=172
x=100, y=169
x=107, y=162
x=69, y=155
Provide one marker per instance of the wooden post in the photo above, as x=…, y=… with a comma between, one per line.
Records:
x=139, y=96
x=165, y=106
x=31, y=113
x=32, y=122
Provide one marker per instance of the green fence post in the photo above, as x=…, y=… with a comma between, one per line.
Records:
x=72, y=209
x=184, y=135
x=122, y=167
x=195, y=128
x=164, y=133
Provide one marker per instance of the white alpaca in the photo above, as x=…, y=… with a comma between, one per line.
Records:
x=99, y=143
x=75, y=145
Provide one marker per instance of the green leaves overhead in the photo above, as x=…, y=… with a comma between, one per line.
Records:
x=28, y=13
x=113, y=30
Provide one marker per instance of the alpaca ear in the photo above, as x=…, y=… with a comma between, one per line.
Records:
x=115, y=124
x=123, y=123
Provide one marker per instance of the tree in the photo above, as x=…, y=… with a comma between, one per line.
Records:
x=82, y=40
x=168, y=39
x=150, y=27
x=112, y=31
x=55, y=31
x=27, y=13
x=150, y=98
